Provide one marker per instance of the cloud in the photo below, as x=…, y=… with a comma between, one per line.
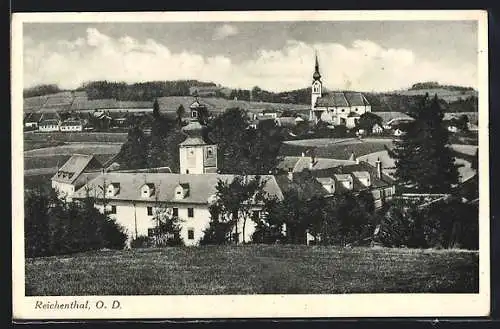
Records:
x=224, y=31
x=362, y=65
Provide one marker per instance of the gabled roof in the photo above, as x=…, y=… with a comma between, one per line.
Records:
x=201, y=186
x=52, y=122
x=342, y=99
x=71, y=123
x=305, y=185
x=34, y=117
x=75, y=165
x=299, y=163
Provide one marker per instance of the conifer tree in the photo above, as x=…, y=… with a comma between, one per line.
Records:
x=424, y=160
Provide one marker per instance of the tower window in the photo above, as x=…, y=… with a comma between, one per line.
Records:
x=190, y=234
x=194, y=114
x=187, y=171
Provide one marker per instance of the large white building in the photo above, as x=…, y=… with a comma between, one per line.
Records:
x=336, y=108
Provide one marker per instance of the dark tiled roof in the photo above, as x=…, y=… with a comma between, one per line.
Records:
x=51, y=122
x=201, y=186
x=342, y=99
x=304, y=184
x=72, y=169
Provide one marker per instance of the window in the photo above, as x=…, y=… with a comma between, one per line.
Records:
x=113, y=210
x=209, y=151
x=175, y=212
x=187, y=171
x=150, y=211
x=190, y=234
x=194, y=114
x=343, y=110
x=151, y=232
x=190, y=212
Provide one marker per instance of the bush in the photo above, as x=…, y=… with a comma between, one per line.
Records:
x=141, y=242
x=53, y=227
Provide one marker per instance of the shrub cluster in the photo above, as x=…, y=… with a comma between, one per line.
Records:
x=54, y=227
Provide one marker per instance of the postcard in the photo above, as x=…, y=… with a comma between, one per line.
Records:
x=259, y=164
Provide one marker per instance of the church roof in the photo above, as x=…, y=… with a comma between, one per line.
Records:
x=342, y=99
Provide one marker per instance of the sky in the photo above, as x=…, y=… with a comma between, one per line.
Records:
x=276, y=56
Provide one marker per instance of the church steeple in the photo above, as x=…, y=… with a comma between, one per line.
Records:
x=316, y=75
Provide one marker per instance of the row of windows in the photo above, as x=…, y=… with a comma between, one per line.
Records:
x=175, y=211
x=153, y=231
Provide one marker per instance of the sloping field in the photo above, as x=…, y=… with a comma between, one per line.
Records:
x=253, y=269
x=96, y=137
x=445, y=94
x=51, y=157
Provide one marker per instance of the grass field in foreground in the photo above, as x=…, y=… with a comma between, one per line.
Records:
x=253, y=269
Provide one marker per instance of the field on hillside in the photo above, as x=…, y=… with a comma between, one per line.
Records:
x=445, y=94
x=79, y=137
x=253, y=269
x=50, y=157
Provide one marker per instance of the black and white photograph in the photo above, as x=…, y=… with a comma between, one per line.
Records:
x=250, y=164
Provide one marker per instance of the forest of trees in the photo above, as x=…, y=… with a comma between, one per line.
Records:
x=41, y=90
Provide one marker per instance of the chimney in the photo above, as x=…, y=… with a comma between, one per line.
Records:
x=378, y=164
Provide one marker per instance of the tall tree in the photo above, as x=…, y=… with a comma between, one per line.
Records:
x=156, y=109
x=424, y=160
x=180, y=114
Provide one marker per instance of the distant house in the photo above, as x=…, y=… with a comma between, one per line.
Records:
x=452, y=128
x=32, y=120
x=71, y=126
x=75, y=173
x=49, y=125
x=288, y=122
x=295, y=164
x=377, y=129
x=398, y=132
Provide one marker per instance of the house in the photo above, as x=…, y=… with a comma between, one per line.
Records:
x=296, y=164
x=32, y=120
x=71, y=126
x=398, y=132
x=50, y=125
x=134, y=198
x=356, y=178
x=337, y=108
x=74, y=174
x=377, y=129
x=288, y=122
x=452, y=128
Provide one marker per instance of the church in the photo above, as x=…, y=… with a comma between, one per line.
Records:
x=335, y=108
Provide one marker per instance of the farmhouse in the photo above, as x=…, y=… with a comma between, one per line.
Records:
x=32, y=120
x=71, y=126
x=49, y=125
x=337, y=108
x=75, y=173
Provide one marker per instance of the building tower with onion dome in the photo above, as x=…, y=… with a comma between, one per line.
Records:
x=316, y=87
x=197, y=155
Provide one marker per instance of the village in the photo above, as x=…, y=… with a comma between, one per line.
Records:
x=230, y=167
x=133, y=198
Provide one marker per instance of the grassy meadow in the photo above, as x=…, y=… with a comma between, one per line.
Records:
x=253, y=269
